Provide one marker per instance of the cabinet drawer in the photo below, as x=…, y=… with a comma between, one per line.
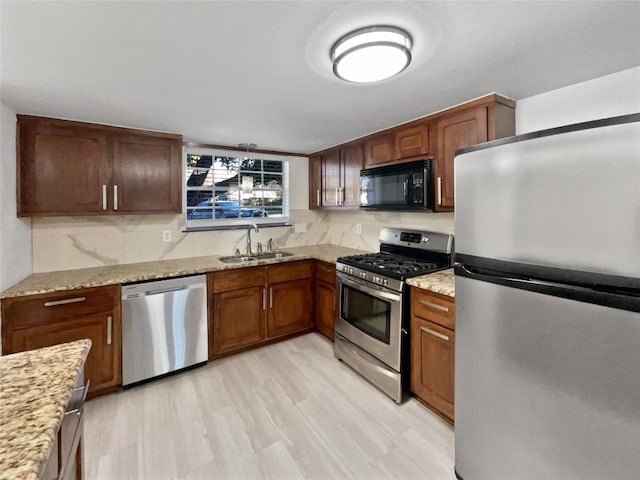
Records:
x=48, y=307
x=434, y=307
x=230, y=280
x=289, y=271
x=326, y=272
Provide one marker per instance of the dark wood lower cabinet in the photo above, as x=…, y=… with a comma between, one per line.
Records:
x=38, y=321
x=251, y=306
x=238, y=319
x=290, y=307
x=325, y=298
x=432, y=351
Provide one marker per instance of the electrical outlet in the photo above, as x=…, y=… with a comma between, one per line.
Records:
x=166, y=235
x=358, y=228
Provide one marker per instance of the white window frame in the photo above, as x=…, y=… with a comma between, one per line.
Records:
x=231, y=223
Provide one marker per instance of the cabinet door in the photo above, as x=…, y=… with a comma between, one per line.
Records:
x=352, y=163
x=325, y=309
x=238, y=319
x=412, y=141
x=103, y=362
x=146, y=174
x=62, y=168
x=379, y=149
x=432, y=364
x=315, y=182
x=331, y=181
x=290, y=307
x=455, y=131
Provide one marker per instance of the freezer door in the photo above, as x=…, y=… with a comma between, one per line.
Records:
x=570, y=200
x=546, y=387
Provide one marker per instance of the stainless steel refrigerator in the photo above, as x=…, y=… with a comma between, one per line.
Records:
x=547, y=354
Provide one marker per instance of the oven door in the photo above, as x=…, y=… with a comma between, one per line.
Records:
x=371, y=318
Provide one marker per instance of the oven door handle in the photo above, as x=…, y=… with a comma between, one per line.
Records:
x=394, y=297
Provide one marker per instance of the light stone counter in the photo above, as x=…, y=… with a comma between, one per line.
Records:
x=35, y=388
x=442, y=282
x=134, y=272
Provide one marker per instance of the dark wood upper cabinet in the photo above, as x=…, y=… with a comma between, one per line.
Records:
x=462, y=129
x=315, y=182
x=146, y=178
x=75, y=168
x=379, y=149
x=352, y=163
x=436, y=136
x=331, y=181
x=63, y=168
x=339, y=182
x=481, y=121
x=412, y=141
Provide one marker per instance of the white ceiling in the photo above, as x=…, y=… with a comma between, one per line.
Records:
x=226, y=72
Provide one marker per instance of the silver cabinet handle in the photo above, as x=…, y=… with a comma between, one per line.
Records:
x=65, y=301
x=104, y=197
x=342, y=196
x=270, y=297
x=115, y=197
x=435, y=306
x=84, y=398
x=439, y=190
x=109, y=328
x=337, y=197
x=435, y=334
x=317, y=197
x=264, y=298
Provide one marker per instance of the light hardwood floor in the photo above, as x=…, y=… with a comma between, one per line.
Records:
x=285, y=411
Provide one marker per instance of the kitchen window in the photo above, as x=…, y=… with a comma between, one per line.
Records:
x=227, y=189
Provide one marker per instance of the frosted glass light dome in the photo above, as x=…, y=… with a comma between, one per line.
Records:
x=371, y=54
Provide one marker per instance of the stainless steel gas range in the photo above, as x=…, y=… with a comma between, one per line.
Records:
x=372, y=314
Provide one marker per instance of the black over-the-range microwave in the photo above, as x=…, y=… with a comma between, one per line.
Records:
x=403, y=186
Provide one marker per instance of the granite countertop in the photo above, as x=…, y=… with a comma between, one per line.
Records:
x=35, y=388
x=134, y=272
x=442, y=282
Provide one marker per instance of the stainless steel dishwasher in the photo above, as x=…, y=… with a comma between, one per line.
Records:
x=164, y=327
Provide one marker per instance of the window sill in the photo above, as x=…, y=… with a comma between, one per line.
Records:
x=234, y=227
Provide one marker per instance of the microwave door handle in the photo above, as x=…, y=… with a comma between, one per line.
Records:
x=407, y=190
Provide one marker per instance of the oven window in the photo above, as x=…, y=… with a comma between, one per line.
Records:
x=367, y=313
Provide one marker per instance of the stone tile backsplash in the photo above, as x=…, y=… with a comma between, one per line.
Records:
x=63, y=243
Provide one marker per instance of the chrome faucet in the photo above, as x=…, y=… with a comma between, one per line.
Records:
x=270, y=245
x=255, y=227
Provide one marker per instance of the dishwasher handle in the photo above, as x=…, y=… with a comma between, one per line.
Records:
x=165, y=290
x=147, y=289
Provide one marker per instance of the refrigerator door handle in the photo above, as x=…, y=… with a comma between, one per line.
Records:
x=598, y=295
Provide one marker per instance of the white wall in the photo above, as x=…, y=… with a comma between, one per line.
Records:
x=603, y=97
x=15, y=233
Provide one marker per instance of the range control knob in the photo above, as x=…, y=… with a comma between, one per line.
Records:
x=385, y=282
x=351, y=271
x=363, y=275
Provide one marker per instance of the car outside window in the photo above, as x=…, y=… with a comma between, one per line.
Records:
x=231, y=189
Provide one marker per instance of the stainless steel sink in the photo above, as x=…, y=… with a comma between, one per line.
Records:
x=253, y=258
x=268, y=255
x=237, y=259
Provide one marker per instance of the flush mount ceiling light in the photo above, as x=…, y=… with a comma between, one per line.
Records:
x=371, y=54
